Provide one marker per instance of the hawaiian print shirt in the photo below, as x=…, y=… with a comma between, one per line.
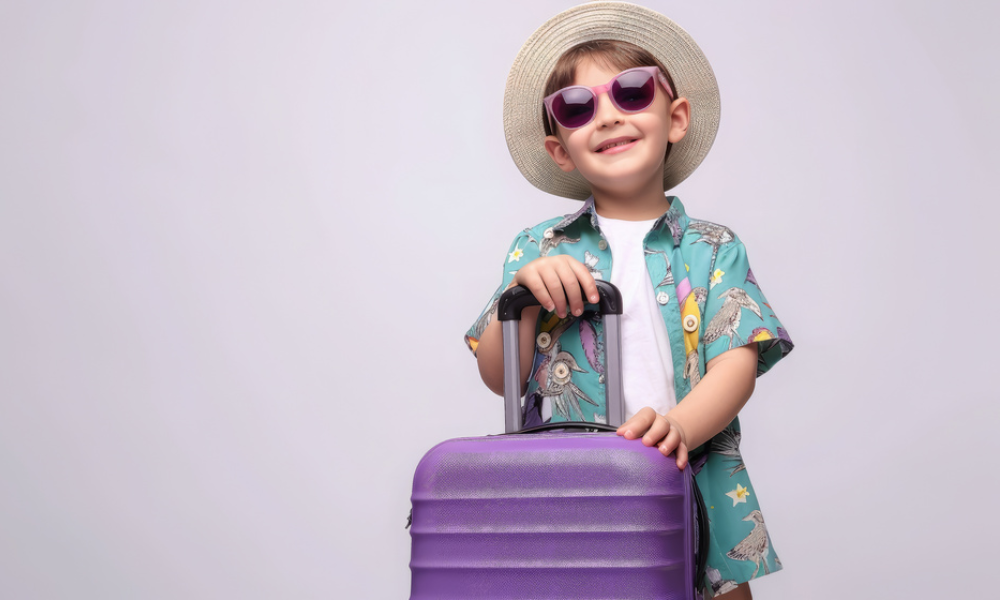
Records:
x=710, y=303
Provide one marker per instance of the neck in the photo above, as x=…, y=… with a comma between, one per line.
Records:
x=632, y=205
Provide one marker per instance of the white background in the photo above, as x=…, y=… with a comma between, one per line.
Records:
x=240, y=243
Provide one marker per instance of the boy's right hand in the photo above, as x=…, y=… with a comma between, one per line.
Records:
x=558, y=282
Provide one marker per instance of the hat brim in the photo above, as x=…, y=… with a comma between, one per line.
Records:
x=622, y=21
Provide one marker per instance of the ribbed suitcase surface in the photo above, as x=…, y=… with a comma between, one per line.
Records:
x=551, y=516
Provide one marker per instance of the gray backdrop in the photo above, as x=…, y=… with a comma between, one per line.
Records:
x=240, y=243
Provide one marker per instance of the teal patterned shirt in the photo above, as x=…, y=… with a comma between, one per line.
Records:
x=710, y=303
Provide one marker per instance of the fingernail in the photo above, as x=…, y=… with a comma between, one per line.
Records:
x=577, y=312
x=594, y=298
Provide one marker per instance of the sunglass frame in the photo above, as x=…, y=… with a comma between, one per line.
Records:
x=596, y=92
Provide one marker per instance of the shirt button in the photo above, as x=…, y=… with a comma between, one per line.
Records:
x=603, y=245
x=549, y=233
x=662, y=298
x=543, y=340
x=690, y=323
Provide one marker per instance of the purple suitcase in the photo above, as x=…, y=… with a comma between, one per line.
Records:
x=552, y=515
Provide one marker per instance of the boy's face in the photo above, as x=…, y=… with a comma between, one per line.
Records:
x=619, y=152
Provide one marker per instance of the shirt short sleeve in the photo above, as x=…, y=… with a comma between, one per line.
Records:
x=737, y=313
x=523, y=250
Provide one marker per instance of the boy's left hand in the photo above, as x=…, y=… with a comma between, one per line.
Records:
x=657, y=430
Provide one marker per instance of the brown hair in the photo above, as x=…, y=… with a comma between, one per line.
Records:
x=609, y=53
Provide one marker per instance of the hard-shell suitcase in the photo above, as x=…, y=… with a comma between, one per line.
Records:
x=555, y=514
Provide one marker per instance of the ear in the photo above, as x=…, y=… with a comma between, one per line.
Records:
x=680, y=118
x=558, y=153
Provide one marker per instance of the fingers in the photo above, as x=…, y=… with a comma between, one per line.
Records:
x=586, y=281
x=571, y=285
x=658, y=430
x=673, y=443
x=669, y=443
x=559, y=283
x=529, y=277
x=682, y=455
x=577, y=282
x=557, y=286
x=638, y=424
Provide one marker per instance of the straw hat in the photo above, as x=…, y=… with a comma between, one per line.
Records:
x=664, y=39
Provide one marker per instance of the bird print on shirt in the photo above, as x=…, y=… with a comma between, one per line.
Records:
x=550, y=240
x=554, y=377
x=753, y=548
x=700, y=295
x=555, y=368
x=714, y=235
x=726, y=321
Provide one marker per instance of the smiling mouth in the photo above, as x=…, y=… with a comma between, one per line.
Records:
x=615, y=144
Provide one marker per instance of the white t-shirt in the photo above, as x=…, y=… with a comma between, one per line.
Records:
x=647, y=367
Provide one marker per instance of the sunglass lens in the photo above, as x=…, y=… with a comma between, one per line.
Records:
x=634, y=91
x=573, y=107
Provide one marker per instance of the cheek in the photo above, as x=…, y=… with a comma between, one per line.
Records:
x=658, y=126
x=576, y=144
x=582, y=137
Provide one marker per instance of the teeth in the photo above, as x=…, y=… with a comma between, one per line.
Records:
x=621, y=143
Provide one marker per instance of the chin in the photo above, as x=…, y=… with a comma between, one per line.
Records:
x=627, y=180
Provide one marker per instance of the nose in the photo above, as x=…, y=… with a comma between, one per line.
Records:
x=607, y=114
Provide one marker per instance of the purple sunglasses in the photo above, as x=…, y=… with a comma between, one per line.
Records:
x=630, y=91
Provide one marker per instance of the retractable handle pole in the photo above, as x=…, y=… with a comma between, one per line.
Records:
x=515, y=300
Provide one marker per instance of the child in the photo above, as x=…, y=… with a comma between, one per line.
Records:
x=614, y=103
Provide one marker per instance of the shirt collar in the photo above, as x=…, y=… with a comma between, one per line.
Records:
x=675, y=219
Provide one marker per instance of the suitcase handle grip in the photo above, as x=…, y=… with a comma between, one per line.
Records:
x=567, y=425
x=509, y=308
x=518, y=298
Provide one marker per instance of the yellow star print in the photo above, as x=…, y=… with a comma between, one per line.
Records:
x=739, y=494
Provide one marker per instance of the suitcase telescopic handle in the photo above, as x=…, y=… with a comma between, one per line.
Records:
x=515, y=300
